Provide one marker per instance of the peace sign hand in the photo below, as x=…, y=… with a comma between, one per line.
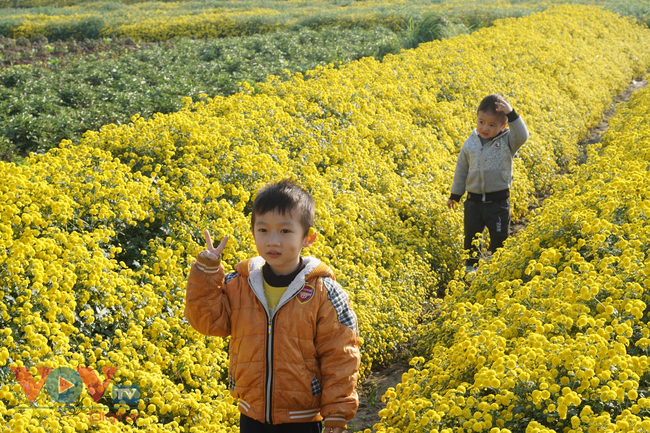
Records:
x=213, y=253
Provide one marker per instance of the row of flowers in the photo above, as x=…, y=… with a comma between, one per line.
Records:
x=552, y=333
x=161, y=21
x=96, y=239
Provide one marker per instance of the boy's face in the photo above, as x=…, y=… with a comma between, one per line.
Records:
x=490, y=125
x=279, y=239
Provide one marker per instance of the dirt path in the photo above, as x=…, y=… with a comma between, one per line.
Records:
x=44, y=53
x=372, y=388
x=597, y=132
x=594, y=136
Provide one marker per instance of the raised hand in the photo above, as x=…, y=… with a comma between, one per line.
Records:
x=503, y=105
x=211, y=252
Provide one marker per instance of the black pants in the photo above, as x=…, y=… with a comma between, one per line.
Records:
x=494, y=215
x=249, y=425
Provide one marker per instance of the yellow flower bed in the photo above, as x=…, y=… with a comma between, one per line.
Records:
x=160, y=21
x=97, y=239
x=67, y=303
x=552, y=334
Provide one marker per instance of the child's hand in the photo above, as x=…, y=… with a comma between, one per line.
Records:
x=503, y=105
x=451, y=204
x=213, y=253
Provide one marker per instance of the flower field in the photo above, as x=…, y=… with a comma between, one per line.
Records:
x=161, y=21
x=96, y=239
x=44, y=105
x=552, y=334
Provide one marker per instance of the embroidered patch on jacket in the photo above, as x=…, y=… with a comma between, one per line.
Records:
x=305, y=294
x=315, y=387
x=341, y=304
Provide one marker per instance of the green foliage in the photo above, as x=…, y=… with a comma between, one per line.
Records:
x=638, y=10
x=431, y=27
x=42, y=106
x=219, y=18
x=6, y=150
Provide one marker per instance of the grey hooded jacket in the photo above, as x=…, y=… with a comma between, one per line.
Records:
x=487, y=168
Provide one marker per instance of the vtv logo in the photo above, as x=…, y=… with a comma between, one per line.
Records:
x=64, y=385
x=126, y=394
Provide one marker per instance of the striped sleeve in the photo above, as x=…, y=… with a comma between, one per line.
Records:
x=207, y=308
x=334, y=421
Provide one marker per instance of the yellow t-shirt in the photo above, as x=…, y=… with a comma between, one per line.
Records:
x=273, y=295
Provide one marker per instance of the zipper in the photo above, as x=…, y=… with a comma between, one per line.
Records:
x=269, y=350
x=269, y=353
x=482, y=159
x=269, y=369
x=482, y=172
x=269, y=359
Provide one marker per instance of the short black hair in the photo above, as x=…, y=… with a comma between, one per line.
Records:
x=488, y=106
x=285, y=196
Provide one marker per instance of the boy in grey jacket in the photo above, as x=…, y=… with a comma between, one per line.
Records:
x=484, y=170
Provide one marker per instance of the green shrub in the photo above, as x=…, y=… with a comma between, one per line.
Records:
x=82, y=28
x=43, y=106
x=431, y=27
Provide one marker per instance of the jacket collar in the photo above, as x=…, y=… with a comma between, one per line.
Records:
x=477, y=137
x=252, y=269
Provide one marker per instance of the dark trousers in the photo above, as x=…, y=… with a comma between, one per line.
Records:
x=249, y=425
x=494, y=215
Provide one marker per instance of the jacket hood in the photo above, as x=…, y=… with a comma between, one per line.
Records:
x=313, y=267
x=496, y=137
x=252, y=270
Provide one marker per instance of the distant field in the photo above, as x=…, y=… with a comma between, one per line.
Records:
x=158, y=21
x=80, y=91
x=70, y=66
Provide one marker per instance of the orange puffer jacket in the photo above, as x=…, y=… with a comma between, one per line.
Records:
x=298, y=363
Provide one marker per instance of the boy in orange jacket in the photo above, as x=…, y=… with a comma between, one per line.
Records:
x=294, y=347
